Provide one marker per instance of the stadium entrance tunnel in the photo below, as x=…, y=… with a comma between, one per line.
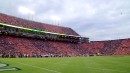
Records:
x=4, y=67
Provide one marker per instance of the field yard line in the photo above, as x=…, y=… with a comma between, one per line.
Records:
x=96, y=68
x=39, y=67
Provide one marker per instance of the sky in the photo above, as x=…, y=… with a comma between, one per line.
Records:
x=96, y=19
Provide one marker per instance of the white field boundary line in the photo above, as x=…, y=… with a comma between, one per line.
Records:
x=39, y=67
x=95, y=68
x=54, y=71
x=8, y=69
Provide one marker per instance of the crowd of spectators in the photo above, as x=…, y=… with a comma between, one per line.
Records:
x=12, y=46
x=111, y=47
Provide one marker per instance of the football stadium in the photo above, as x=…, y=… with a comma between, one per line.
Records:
x=33, y=47
x=64, y=36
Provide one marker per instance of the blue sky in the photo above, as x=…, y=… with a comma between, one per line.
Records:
x=96, y=19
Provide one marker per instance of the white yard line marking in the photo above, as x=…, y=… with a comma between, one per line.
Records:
x=39, y=67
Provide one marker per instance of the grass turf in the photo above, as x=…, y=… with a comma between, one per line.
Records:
x=100, y=64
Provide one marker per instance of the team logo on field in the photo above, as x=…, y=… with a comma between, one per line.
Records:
x=4, y=67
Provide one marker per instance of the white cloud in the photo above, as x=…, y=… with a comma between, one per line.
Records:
x=55, y=18
x=25, y=10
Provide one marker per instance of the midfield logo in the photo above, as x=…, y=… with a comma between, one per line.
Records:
x=4, y=67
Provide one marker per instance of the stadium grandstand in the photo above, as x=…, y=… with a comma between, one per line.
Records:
x=111, y=47
x=24, y=38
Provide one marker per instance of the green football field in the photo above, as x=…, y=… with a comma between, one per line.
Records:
x=99, y=64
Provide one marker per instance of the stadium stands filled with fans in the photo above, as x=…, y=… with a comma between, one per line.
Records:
x=64, y=43
x=18, y=46
x=111, y=47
